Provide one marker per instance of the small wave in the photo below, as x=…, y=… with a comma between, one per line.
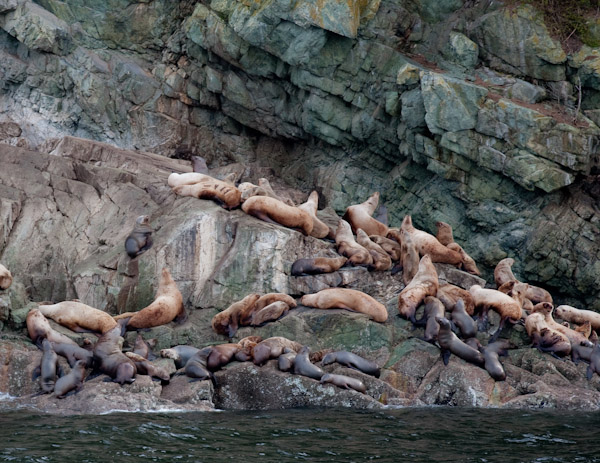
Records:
x=532, y=438
x=157, y=410
x=6, y=397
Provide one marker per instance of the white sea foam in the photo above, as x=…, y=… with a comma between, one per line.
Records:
x=6, y=397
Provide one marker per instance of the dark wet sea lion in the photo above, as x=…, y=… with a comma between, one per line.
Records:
x=199, y=165
x=465, y=323
x=197, y=366
x=180, y=354
x=144, y=367
x=71, y=381
x=594, y=366
x=450, y=344
x=48, y=368
x=351, y=360
x=491, y=354
x=317, y=265
x=73, y=353
x=579, y=353
x=303, y=366
x=433, y=308
x=140, y=238
x=285, y=362
x=273, y=348
x=109, y=358
x=143, y=347
x=221, y=355
x=345, y=382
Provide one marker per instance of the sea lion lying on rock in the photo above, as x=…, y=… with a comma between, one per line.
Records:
x=79, y=317
x=424, y=283
x=109, y=358
x=227, y=321
x=5, y=277
x=381, y=259
x=578, y=316
x=360, y=216
x=272, y=348
x=428, y=244
x=317, y=265
x=271, y=210
x=71, y=381
x=144, y=367
x=345, y=382
x=48, y=368
x=39, y=329
x=349, y=299
x=450, y=344
x=320, y=229
x=347, y=246
x=351, y=360
x=180, y=354
x=303, y=366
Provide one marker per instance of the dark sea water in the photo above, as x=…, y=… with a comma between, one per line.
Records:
x=396, y=435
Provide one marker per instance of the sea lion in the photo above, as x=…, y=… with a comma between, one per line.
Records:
x=221, y=354
x=534, y=294
x=247, y=345
x=428, y=244
x=266, y=185
x=491, y=358
x=73, y=353
x=345, y=382
x=503, y=272
x=199, y=165
x=460, y=317
x=285, y=362
x=320, y=229
x=140, y=238
x=223, y=193
x=594, y=366
x=390, y=246
x=347, y=246
x=71, y=381
x=144, y=367
x=409, y=257
x=317, y=265
x=166, y=307
x=197, y=366
x=273, y=348
x=39, y=329
x=109, y=358
x=269, y=298
x=579, y=353
x=578, y=316
x=180, y=354
x=381, y=259
x=228, y=321
x=48, y=368
x=79, y=317
x=450, y=294
x=351, y=360
x=467, y=264
x=509, y=308
x=450, y=344
x=542, y=336
x=272, y=210
x=349, y=299
x=142, y=347
x=444, y=233
x=5, y=277
x=575, y=337
x=360, y=216
x=424, y=283
x=271, y=312
x=433, y=308
x=188, y=178
x=303, y=366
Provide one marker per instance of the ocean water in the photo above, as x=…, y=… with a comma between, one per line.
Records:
x=432, y=434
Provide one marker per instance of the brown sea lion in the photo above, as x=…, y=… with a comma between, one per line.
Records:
x=503, y=272
x=269, y=298
x=144, y=367
x=594, y=366
x=227, y=321
x=221, y=354
x=225, y=194
x=71, y=381
x=48, y=368
x=465, y=323
x=5, y=277
x=409, y=257
x=79, y=317
x=381, y=259
x=450, y=344
x=578, y=316
x=73, y=353
x=352, y=360
x=467, y=264
x=320, y=229
x=575, y=337
x=390, y=246
x=360, y=216
x=428, y=244
x=274, y=211
x=271, y=312
x=272, y=348
x=180, y=354
x=317, y=265
x=509, y=308
x=349, y=299
x=345, y=382
x=424, y=283
x=303, y=366
x=433, y=308
x=109, y=358
x=444, y=233
x=38, y=329
x=450, y=294
x=347, y=246
x=140, y=238
x=144, y=348
x=247, y=345
x=166, y=307
x=491, y=354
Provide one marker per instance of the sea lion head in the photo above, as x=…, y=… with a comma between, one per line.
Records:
x=443, y=322
x=543, y=307
x=142, y=220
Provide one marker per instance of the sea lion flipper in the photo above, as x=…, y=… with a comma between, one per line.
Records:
x=589, y=372
x=446, y=356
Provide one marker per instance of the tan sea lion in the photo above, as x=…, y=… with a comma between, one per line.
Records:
x=450, y=294
x=578, y=316
x=166, y=307
x=535, y=294
x=468, y=264
x=388, y=245
x=317, y=265
x=381, y=259
x=109, y=358
x=226, y=195
x=575, y=337
x=450, y=344
x=221, y=354
x=320, y=229
x=360, y=216
x=349, y=299
x=271, y=312
x=274, y=211
x=228, y=321
x=79, y=317
x=188, y=178
x=345, y=382
x=409, y=257
x=444, y=233
x=5, y=277
x=39, y=329
x=542, y=336
x=347, y=246
x=303, y=366
x=247, y=345
x=71, y=381
x=503, y=272
x=509, y=308
x=351, y=360
x=272, y=348
x=424, y=283
x=140, y=238
x=144, y=348
x=428, y=244
x=180, y=354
